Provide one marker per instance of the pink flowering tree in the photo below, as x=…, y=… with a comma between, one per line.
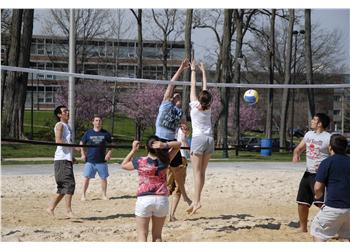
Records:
x=91, y=98
x=250, y=117
x=141, y=104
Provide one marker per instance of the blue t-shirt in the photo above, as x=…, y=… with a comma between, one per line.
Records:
x=91, y=137
x=334, y=172
x=168, y=119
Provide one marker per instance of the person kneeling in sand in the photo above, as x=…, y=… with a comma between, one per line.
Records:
x=152, y=194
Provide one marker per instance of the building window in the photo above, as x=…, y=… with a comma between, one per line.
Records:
x=336, y=112
x=336, y=98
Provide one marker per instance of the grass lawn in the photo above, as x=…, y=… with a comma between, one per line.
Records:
x=123, y=133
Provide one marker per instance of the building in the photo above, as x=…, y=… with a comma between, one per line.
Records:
x=108, y=57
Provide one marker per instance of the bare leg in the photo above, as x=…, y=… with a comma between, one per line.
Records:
x=104, y=189
x=142, y=224
x=68, y=199
x=180, y=182
x=303, y=211
x=157, y=227
x=175, y=202
x=198, y=176
x=53, y=204
x=85, y=187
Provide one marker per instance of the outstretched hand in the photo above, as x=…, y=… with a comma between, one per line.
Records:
x=135, y=145
x=185, y=64
x=202, y=67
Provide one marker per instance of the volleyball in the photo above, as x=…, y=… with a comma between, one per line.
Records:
x=251, y=96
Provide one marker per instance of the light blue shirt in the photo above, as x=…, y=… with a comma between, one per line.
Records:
x=168, y=119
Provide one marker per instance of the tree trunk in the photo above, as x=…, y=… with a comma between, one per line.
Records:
x=10, y=114
x=308, y=62
x=139, y=44
x=187, y=74
x=269, y=113
x=225, y=77
x=287, y=80
x=238, y=17
x=24, y=62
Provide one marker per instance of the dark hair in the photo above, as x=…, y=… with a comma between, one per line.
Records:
x=96, y=116
x=204, y=99
x=58, y=111
x=324, y=119
x=338, y=143
x=162, y=154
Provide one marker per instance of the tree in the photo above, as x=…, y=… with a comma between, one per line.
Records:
x=166, y=21
x=188, y=54
x=308, y=61
x=242, y=20
x=16, y=83
x=141, y=104
x=138, y=18
x=287, y=80
x=90, y=98
x=226, y=76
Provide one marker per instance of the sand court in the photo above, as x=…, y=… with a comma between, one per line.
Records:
x=241, y=202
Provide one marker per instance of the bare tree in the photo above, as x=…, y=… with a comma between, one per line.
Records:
x=188, y=54
x=242, y=20
x=308, y=61
x=138, y=18
x=90, y=23
x=287, y=79
x=165, y=20
x=16, y=83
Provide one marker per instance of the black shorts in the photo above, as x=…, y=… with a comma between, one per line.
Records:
x=306, y=191
x=177, y=161
x=64, y=177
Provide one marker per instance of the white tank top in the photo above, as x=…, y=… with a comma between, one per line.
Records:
x=64, y=153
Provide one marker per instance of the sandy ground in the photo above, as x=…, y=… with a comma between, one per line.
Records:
x=240, y=203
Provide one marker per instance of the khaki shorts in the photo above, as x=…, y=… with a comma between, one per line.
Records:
x=181, y=171
x=330, y=222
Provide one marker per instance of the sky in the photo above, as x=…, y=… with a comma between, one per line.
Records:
x=204, y=40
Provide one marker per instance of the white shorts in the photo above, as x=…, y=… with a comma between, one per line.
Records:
x=152, y=205
x=202, y=144
x=331, y=222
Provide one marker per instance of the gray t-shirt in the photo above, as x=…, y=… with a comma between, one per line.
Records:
x=316, y=149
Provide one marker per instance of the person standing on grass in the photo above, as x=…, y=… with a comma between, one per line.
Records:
x=63, y=163
x=96, y=157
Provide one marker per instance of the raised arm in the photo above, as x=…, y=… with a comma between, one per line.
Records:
x=173, y=146
x=127, y=163
x=193, y=96
x=170, y=89
x=204, y=76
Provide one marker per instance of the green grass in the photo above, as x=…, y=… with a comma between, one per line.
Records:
x=124, y=133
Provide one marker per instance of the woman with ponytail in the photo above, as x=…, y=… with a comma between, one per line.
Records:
x=152, y=193
x=202, y=145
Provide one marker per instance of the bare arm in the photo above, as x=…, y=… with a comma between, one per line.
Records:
x=108, y=154
x=298, y=150
x=127, y=163
x=82, y=152
x=319, y=188
x=204, y=76
x=170, y=89
x=193, y=96
x=58, y=133
x=174, y=147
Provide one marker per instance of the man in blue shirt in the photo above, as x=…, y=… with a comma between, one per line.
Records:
x=333, y=220
x=96, y=157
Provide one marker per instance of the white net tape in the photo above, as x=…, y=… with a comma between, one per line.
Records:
x=166, y=82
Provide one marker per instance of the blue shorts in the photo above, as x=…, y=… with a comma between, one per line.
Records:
x=90, y=170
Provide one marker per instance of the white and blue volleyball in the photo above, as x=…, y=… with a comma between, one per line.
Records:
x=251, y=96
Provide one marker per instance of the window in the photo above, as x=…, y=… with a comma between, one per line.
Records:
x=336, y=112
